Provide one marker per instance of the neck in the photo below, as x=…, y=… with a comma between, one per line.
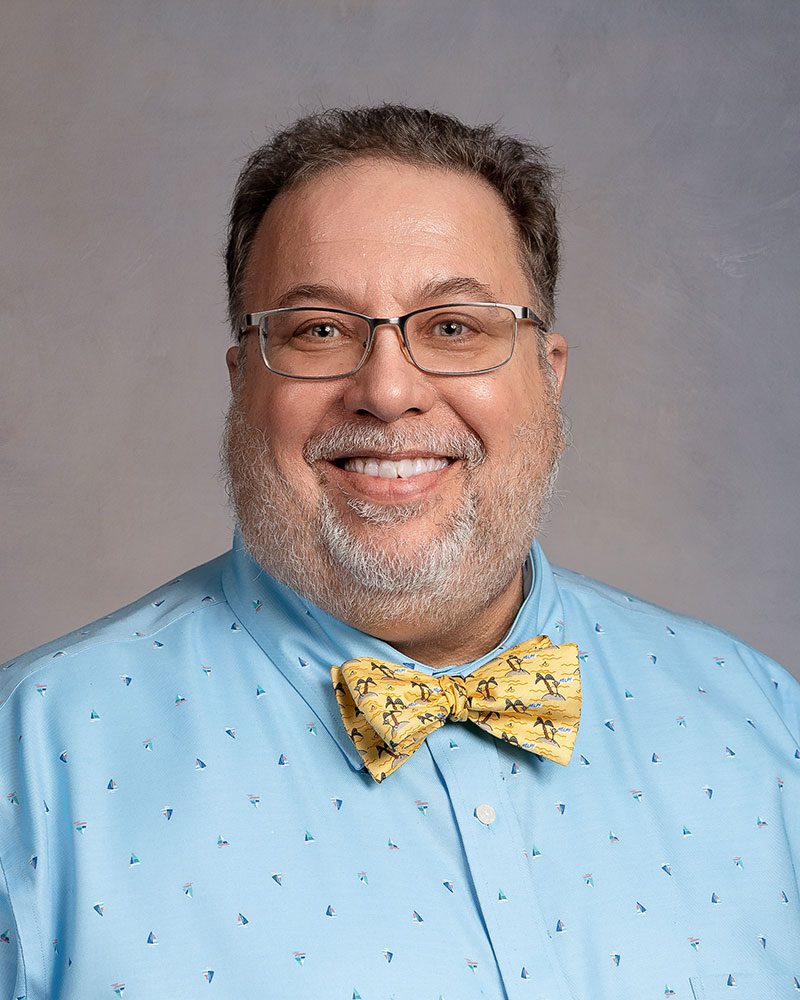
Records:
x=467, y=640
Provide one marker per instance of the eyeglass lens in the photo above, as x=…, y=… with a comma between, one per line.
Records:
x=459, y=339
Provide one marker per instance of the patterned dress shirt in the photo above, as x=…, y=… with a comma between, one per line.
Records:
x=182, y=814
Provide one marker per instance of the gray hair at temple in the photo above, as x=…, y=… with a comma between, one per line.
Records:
x=517, y=169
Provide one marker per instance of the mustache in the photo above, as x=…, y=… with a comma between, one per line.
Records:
x=353, y=438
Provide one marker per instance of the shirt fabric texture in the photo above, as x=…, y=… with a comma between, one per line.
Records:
x=183, y=815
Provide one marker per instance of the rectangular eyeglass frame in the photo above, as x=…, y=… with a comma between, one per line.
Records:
x=254, y=320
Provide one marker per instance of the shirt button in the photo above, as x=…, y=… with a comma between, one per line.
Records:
x=485, y=814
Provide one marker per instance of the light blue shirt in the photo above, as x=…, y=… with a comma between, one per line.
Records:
x=182, y=814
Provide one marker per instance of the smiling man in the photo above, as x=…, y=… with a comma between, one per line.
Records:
x=427, y=556
x=382, y=748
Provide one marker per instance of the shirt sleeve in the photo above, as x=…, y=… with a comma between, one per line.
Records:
x=13, y=977
x=780, y=687
x=10, y=960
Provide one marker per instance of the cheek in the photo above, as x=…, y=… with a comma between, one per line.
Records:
x=288, y=414
x=494, y=409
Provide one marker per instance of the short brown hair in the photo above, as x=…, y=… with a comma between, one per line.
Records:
x=518, y=170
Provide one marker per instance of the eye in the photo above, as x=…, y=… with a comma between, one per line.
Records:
x=450, y=328
x=456, y=327
x=318, y=331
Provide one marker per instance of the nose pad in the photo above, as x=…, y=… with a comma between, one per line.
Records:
x=399, y=335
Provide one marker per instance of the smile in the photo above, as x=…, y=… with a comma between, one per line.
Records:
x=390, y=480
x=383, y=468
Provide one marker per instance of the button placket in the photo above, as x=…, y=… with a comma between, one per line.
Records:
x=522, y=946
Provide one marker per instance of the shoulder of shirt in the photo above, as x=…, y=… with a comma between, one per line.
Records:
x=781, y=688
x=194, y=591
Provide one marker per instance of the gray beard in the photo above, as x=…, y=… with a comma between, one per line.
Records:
x=368, y=583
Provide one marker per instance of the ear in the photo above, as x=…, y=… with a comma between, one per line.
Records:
x=557, y=351
x=231, y=360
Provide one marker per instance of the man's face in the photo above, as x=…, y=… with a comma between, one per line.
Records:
x=383, y=238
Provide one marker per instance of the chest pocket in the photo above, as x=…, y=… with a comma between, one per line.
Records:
x=747, y=986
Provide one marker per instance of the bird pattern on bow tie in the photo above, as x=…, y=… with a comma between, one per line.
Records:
x=528, y=696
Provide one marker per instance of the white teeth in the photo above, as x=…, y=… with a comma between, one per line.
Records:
x=408, y=467
x=404, y=469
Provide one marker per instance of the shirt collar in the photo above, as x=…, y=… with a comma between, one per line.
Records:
x=304, y=641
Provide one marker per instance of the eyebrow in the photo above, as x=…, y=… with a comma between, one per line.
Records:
x=457, y=285
x=330, y=293
x=316, y=292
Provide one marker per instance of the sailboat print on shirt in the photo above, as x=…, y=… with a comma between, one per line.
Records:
x=274, y=835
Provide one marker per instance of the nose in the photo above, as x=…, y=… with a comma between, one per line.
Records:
x=389, y=385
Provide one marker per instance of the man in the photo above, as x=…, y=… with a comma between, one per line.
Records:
x=382, y=748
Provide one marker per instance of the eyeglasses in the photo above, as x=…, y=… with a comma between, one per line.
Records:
x=458, y=338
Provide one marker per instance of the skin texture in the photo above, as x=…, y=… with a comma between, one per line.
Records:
x=436, y=574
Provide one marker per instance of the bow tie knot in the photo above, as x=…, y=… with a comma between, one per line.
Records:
x=456, y=697
x=529, y=696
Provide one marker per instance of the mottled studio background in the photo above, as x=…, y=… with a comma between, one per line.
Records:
x=124, y=125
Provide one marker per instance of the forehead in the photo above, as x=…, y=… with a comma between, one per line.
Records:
x=380, y=227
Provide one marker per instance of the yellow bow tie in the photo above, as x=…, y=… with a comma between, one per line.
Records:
x=529, y=696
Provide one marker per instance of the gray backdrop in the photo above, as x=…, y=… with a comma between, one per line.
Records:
x=124, y=125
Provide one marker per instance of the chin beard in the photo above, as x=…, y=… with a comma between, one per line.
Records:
x=368, y=582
